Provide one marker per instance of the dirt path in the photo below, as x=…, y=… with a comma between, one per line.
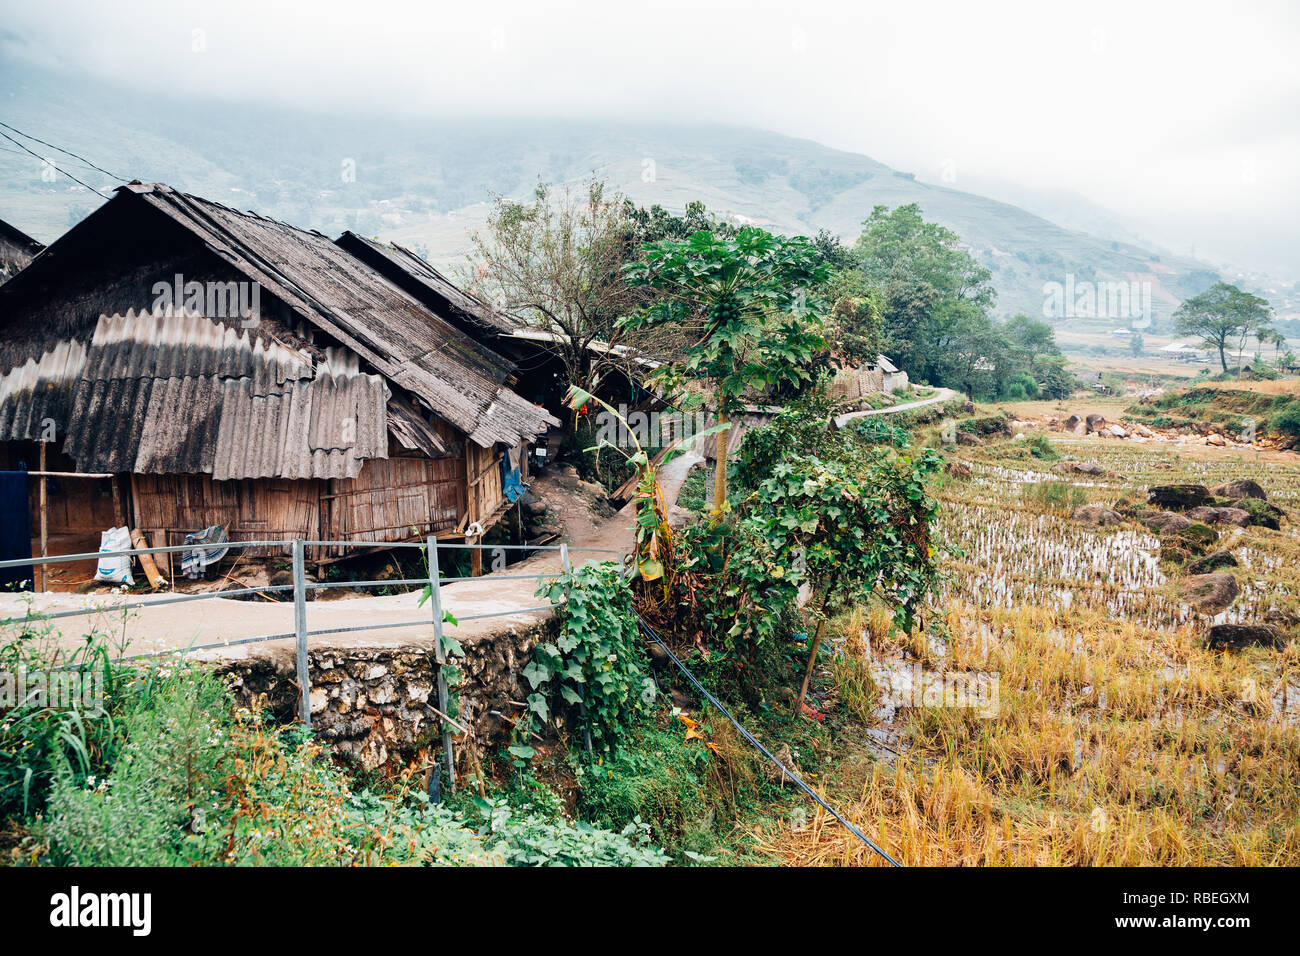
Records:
x=148, y=629
x=943, y=396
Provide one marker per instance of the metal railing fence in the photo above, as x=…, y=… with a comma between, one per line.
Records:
x=301, y=634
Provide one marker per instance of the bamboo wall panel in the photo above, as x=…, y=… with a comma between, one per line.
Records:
x=395, y=500
x=267, y=508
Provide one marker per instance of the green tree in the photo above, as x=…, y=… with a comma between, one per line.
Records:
x=925, y=278
x=1221, y=315
x=750, y=309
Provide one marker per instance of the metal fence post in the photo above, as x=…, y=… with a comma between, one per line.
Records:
x=300, y=629
x=440, y=657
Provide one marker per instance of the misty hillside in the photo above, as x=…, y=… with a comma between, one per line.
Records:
x=427, y=183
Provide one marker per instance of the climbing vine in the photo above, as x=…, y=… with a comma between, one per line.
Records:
x=593, y=673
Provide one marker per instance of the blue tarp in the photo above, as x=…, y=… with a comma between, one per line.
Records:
x=15, y=529
x=512, y=482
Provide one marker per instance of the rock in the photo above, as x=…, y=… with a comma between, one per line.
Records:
x=966, y=438
x=1178, y=497
x=1118, y=431
x=1163, y=521
x=1095, y=422
x=1215, y=561
x=957, y=469
x=1234, y=637
x=1080, y=468
x=1143, y=431
x=1283, y=619
x=1075, y=425
x=1241, y=488
x=1097, y=516
x=1214, y=438
x=1210, y=593
x=1212, y=515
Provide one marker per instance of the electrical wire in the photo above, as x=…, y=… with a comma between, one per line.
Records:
x=66, y=152
x=56, y=167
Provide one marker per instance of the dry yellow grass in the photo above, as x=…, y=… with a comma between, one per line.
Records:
x=1119, y=739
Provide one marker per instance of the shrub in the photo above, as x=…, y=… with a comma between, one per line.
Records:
x=1055, y=495
x=1287, y=420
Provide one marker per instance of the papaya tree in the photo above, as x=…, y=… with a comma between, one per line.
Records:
x=747, y=307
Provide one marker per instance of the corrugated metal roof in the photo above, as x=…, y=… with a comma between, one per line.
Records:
x=38, y=390
x=185, y=395
x=422, y=280
x=459, y=378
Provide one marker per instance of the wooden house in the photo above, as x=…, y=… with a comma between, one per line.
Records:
x=16, y=250
x=225, y=368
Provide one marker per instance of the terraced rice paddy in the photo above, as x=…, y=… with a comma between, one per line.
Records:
x=1118, y=737
x=1012, y=552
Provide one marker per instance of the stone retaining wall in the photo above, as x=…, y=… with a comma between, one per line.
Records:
x=372, y=704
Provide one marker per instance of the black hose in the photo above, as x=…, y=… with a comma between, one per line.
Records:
x=649, y=632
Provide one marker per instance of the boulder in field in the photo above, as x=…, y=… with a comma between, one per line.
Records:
x=1215, y=561
x=1286, y=620
x=1235, y=637
x=1143, y=431
x=1210, y=593
x=1075, y=425
x=1095, y=422
x=1178, y=497
x=1118, y=431
x=957, y=469
x=966, y=438
x=1163, y=522
x=1214, y=438
x=1210, y=514
x=1241, y=488
x=1097, y=516
x=1080, y=468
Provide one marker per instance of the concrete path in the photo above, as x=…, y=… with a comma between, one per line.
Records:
x=148, y=629
x=943, y=395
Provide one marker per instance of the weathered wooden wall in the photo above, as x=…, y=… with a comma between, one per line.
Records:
x=167, y=507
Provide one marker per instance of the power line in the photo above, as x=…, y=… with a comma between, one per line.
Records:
x=66, y=152
x=55, y=166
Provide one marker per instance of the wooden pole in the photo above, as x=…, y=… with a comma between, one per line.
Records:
x=45, y=510
x=812, y=662
x=147, y=563
x=300, y=631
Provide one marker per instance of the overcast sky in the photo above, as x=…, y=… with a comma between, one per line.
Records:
x=1181, y=117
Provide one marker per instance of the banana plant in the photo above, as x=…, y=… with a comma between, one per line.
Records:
x=653, y=536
